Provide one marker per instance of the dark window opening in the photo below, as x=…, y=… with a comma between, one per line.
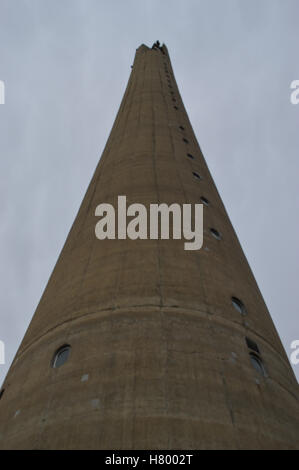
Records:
x=190, y=156
x=175, y=107
x=252, y=345
x=239, y=306
x=182, y=128
x=61, y=356
x=1, y=393
x=215, y=233
x=196, y=175
x=257, y=363
x=185, y=140
x=205, y=201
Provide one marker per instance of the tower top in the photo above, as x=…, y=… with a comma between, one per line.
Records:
x=156, y=46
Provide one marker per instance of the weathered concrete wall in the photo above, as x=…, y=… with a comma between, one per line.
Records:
x=159, y=358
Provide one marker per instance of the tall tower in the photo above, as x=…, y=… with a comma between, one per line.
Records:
x=140, y=344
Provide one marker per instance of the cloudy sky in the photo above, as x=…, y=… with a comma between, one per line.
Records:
x=65, y=65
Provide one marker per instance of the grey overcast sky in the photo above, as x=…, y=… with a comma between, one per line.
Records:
x=66, y=64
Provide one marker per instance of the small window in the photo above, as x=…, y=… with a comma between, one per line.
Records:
x=1, y=393
x=215, y=233
x=239, y=306
x=61, y=356
x=182, y=128
x=175, y=107
x=196, y=175
x=205, y=201
x=185, y=140
x=252, y=345
x=257, y=363
x=190, y=156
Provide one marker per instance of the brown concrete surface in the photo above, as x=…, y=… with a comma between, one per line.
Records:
x=150, y=323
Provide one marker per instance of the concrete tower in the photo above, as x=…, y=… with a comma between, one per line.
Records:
x=140, y=344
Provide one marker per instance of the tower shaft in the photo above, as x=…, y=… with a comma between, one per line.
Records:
x=159, y=357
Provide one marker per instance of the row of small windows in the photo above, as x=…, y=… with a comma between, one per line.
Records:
x=205, y=201
x=255, y=358
x=254, y=351
x=216, y=234
x=170, y=86
x=62, y=355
